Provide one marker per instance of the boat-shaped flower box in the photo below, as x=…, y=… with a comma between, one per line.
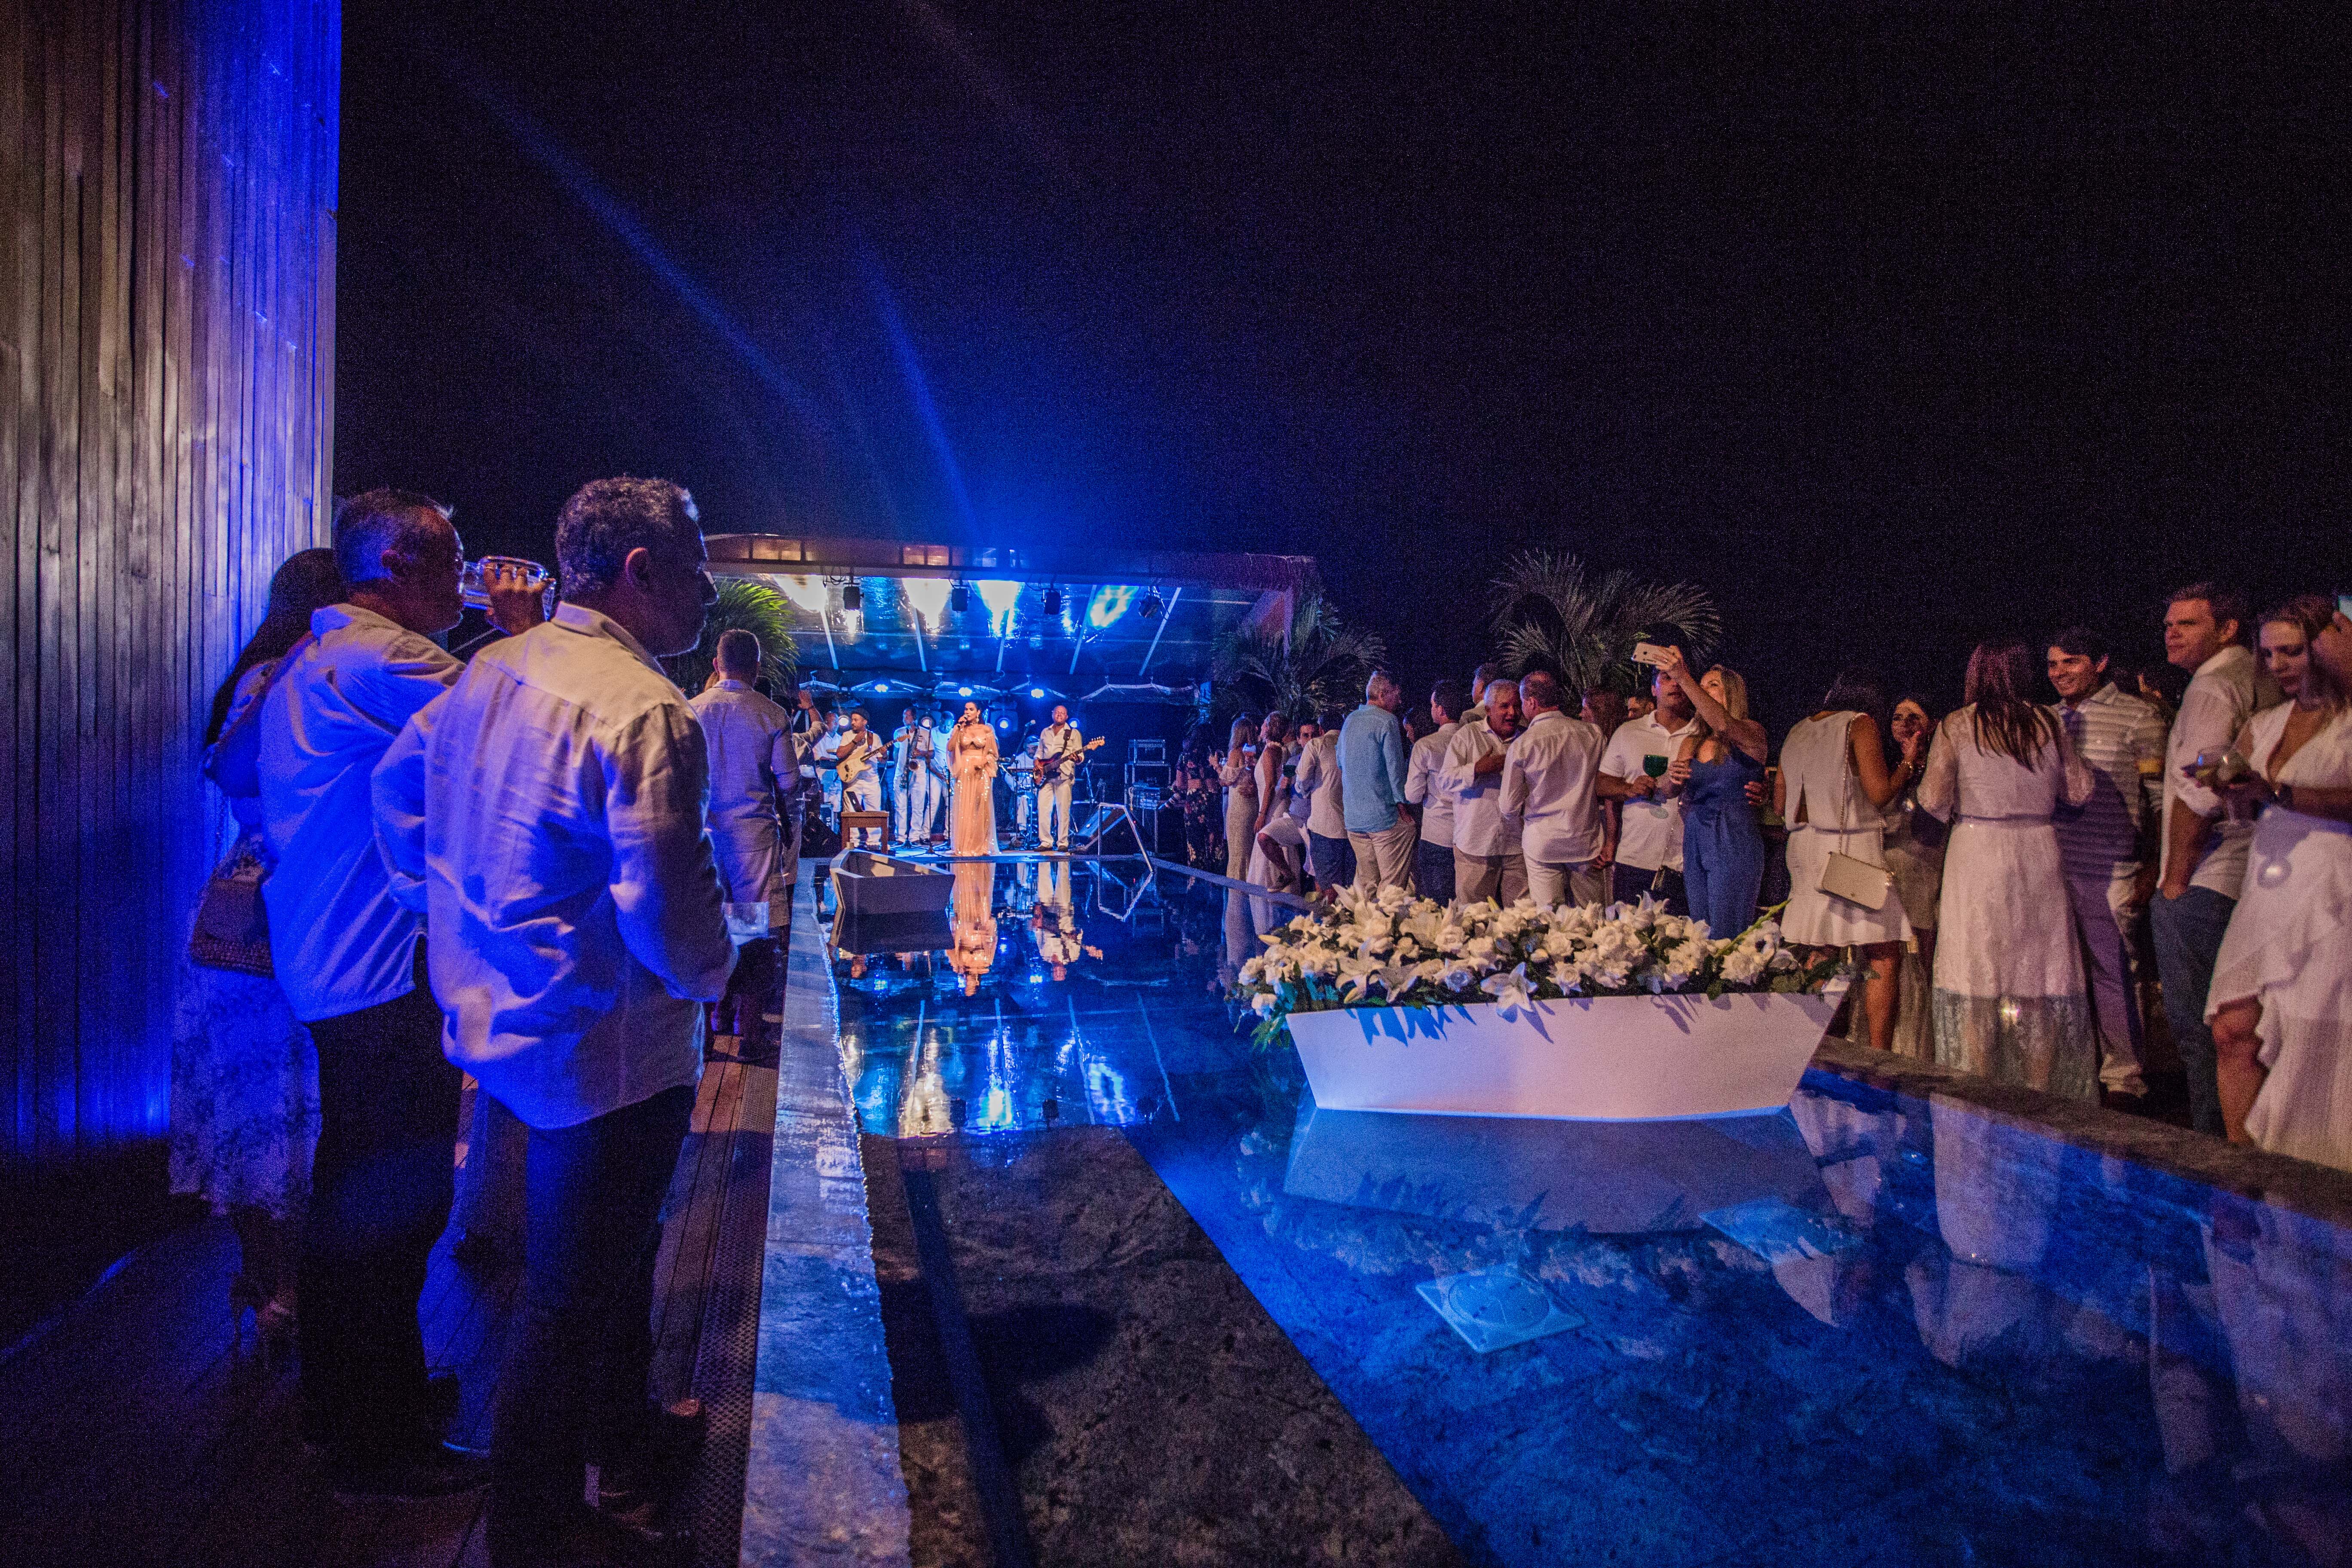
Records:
x=1610, y=1058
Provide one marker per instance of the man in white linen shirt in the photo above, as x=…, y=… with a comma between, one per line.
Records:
x=1061, y=748
x=347, y=958
x=1649, y=857
x=2100, y=843
x=863, y=754
x=556, y=818
x=753, y=758
x=2204, y=861
x=1432, y=862
x=1316, y=798
x=1487, y=862
x=1548, y=775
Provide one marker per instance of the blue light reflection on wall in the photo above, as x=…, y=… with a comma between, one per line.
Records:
x=999, y=594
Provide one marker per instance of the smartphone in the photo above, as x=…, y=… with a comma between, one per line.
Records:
x=1649, y=653
x=2344, y=606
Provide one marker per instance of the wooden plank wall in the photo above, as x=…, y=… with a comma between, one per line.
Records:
x=166, y=416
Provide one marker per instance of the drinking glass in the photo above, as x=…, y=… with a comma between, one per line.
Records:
x=1654, y=766
x=469, y=580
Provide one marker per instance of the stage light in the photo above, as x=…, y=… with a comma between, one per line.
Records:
x=960, y=599
x=1152, y=605
x=808, y=593
x=1000, y=594
x=964, y=691
x=1109, y=602
x=929, y=596
x=1053, y=600
x=1037, y=692
x=853, y=597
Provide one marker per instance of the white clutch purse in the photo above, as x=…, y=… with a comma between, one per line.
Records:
x=1856, y=881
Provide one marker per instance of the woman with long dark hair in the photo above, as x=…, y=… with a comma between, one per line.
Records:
x=2010, y=1001
x=245, y=1079
x=1913, y=846
x=1832, y=787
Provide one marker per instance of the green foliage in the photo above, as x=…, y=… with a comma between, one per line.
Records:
x=747, y=606
x=1550, y=611
x=1320, y=665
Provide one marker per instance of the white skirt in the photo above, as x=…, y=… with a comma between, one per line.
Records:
x=2006, y=928
x=2290, y=947
x=1815, y=919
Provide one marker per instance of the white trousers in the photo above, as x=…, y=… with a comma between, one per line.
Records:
x=1551, y=885
x=2102, y=907
x=1053, y=813
x=865, y=794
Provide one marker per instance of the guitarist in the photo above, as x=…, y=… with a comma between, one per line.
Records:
x=1058, y=750
x=858, y=760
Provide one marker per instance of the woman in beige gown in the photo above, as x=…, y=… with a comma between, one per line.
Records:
x=971, y=759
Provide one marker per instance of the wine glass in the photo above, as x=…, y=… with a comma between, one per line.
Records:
x=1654, y=766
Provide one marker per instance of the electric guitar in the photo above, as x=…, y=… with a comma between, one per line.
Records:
x=1057, y=764
x=854, y=765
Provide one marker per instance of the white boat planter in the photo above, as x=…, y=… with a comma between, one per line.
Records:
x=1611, y=1059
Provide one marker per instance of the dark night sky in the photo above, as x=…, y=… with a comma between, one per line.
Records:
x=1893, y=325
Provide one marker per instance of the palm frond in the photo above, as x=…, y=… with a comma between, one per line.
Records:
x=747, y=606
x=1550, y=609
x=1320, y=663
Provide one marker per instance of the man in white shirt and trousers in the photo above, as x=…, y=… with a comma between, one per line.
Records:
x=1487, y=861
x=858, y=760
x=911, y=776
x=2203, y=864
x=1650, y=830
x=1059, y=747
x=1549, y=774
x=1433, y=856
x=753, y=758
x=349, y=959
x=549, y=813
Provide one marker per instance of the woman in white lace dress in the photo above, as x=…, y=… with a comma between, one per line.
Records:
x=2010, y=1002
x=2281, y=1001
x=245, y=1079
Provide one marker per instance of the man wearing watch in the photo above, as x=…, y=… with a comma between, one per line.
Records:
x=1058, y=748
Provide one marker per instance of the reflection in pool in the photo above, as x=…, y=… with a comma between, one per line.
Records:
x=1866, y=1329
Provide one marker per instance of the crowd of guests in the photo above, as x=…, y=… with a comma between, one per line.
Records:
x=2002, y=876
x=540, y=865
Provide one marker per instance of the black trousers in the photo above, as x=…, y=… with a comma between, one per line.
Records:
x=1628, y=883
x=380, y=1191
x=573, y=1387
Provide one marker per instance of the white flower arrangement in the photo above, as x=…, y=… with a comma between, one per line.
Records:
x=1387, y=949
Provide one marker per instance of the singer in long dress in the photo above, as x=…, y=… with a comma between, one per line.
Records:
x=973, y=758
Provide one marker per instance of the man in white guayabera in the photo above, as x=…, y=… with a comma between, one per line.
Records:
x=346, y=955
x=552, y=806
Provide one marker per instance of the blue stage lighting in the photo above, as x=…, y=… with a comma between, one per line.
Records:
x=1037, y=692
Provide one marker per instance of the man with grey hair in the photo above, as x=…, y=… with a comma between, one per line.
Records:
x=553, y=803
x=347, y=956
x=752, y=758
x=1373, y=766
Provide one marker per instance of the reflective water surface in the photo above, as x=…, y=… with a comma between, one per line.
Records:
x=1867, y=1329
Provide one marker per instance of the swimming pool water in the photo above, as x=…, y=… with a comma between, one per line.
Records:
x=1868, y=1329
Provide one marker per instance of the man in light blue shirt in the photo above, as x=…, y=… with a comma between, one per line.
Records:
x=1372, y=764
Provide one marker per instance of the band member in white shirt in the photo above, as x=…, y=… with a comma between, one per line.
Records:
x=349, y=959
x=858, y=759
x=826, y=755
x=906, y=769
x=549, y=813
x=1548, y=783
x=1059, y=749
x=753, y=759
x=1024, y=771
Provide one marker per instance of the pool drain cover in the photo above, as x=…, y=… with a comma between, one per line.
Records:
x=1494, y=1308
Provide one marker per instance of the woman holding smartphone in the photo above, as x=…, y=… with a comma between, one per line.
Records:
x=1723, y=845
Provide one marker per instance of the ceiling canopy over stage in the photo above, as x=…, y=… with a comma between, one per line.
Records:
x=880, y=619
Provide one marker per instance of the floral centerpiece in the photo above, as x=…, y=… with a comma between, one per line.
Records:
x=1388, y=949
x=1619, y=1012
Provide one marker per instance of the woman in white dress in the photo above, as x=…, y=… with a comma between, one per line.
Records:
x=1832, y=788
x=2010, y=1002
x=1273, y=803
x=2281, y=1003
x=971, y=758
x=1234, y=771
